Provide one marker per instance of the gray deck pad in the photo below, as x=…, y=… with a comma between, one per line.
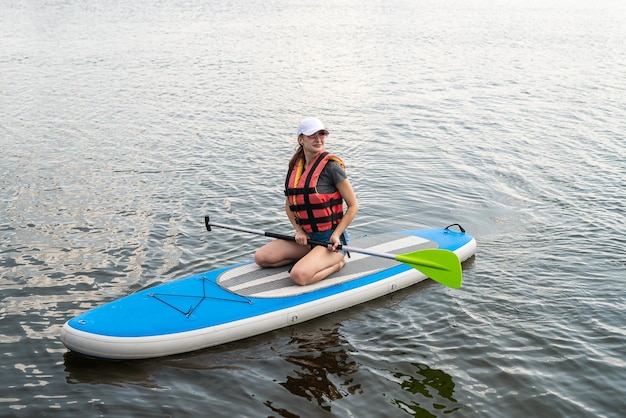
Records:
x=252, y=281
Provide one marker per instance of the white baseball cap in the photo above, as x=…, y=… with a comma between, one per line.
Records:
x=309, y=126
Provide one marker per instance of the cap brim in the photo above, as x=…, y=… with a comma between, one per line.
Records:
x=311, y=132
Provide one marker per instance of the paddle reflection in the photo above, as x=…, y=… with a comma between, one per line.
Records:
x=435, y=387
x=323, y=372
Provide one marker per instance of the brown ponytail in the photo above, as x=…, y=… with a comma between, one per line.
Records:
x=296, y=156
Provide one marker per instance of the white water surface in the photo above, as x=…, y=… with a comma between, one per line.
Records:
x=123, y=123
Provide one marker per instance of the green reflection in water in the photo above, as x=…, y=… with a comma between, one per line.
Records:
x=435, y=386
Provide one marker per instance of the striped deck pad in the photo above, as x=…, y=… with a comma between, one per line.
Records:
x=252, y=281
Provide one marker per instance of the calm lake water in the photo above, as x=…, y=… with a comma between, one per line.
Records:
x=123, y=123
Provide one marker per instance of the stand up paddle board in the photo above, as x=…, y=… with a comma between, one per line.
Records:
x=240, y=301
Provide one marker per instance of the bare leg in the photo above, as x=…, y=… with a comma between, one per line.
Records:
x=318, y=264
x=279, y=253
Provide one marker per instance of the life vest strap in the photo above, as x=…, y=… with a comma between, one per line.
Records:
x=315, y=206
x=300, y=190
x=333, y=220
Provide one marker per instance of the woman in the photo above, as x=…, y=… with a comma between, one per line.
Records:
x=316, y=188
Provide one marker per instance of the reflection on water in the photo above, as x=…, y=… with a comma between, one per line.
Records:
x=81, y=369
x=323, y=373
x=433, y=387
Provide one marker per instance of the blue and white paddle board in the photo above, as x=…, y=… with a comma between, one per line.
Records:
x=236, y=302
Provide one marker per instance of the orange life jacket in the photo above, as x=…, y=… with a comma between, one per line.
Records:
x=314, y=211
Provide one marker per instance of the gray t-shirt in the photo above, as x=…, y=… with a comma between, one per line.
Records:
x=329, y=177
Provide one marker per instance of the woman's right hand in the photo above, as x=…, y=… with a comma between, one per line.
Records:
x=302, y=237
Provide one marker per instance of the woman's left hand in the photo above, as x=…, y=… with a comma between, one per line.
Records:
x=334, y=242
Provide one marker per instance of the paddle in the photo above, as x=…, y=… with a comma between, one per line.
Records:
x=442, y=266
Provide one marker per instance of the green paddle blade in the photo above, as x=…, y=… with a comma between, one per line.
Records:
x=442, y=266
